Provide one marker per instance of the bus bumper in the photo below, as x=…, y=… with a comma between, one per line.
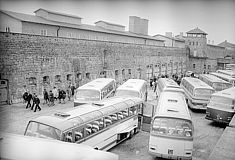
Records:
x=167, y=156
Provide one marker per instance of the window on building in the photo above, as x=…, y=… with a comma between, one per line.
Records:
x=69, y=77
x=204, y=66
x=129, y=71
x=46, y=80
x=123, y=72
x=88, y=75
x=116, y=73
x=193, y=43
x=32, y=81
x=209, y=67
x=194, y=66
x=79, y=76
x=58, y=79
x=103, y=74
x=43, y=32
x=7, y=29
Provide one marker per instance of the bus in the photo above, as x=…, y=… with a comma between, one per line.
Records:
x=99, y=125
x=224, y=77
x=197, y=92
x=227, y=72
x=133, y=88
x=95, y=90
x=215, y=82
x=19, y=147
x=230, y=66
x=167, y=84
x=171, y=133
x=222, y=106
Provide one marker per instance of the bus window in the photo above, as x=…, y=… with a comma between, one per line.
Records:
x=68, y=136
x=101, y=123
x=88, y=129
x=78, y=134
x=125, y=113
x=95, y=127
x=133, y=110
x=120, y=115
x=107, y=121
x=114, y=118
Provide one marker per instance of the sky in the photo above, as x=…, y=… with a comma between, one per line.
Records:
x=215, y=17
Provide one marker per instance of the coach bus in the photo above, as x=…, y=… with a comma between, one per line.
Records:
x=222, y=106
x=215, y=82
x=167, y=84
x=171, y=133
x=100, y=125
x=19, y=147
x=225, y=77
x=197, y=92
x=133, y=88
x=227, y=72
x=95, y=90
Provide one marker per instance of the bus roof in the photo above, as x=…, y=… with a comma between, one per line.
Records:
x=228, y=93
x=87, y=112
x=172, y=104
x=169, y=82
x=132, y=84
x=213, y=78
x=97, y=84
x=197, y=83
x=19, y=147
x=227, y=72
x=227, y=77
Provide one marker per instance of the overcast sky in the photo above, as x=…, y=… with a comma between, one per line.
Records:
x=215, y=17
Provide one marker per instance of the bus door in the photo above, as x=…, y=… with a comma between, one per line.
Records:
x=148, y=113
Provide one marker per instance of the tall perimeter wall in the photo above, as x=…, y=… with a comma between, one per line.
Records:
x=38, y=62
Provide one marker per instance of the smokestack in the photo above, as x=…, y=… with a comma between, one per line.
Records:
x=138, y=25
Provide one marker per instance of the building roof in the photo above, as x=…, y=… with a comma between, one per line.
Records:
x=113, y=24
x=173, y=38
x=196, y=31
x=58, y=13
x=40, y=20
x=226, y=44
x=211, y=45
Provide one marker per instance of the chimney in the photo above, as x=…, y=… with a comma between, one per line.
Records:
x=138, y=25
x=168, y=34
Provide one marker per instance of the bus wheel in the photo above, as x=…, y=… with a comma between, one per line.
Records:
x=132, y=133
x=136, y=130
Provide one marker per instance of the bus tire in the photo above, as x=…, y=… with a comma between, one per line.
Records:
x=132, y=133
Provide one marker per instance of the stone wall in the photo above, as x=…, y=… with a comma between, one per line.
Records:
x=39, y=62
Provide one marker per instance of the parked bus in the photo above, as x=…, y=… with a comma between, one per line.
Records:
x=171, y=133
x=215, y=82
x=197, y=92
x=95, y=90
x=167, y=84
x=19, y=147
x=100, y=125
x=224, y=77
x=133, y=88
x=222, y=106
x=227, y=72
x=230, y=66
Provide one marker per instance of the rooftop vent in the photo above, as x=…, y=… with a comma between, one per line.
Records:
x=172, y=110
x=172, y=100
x=61, y=114
x=98, y=104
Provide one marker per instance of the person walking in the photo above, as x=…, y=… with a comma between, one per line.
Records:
x=45, y=97
x=72, y=89
x=51, y=99
x=37, y=102
x=55, y=93
x=34, y=94
x=25, y=96
x=29, y=98
x=69, y=92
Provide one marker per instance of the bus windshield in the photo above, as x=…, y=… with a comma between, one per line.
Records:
x=221, y=100
x=127, y=93
x=203, y=93
x=221, y=86
x=172, y=127
x=35, y=129
x=85, y=94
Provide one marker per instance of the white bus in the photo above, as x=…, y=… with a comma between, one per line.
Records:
x=95, y=90
x=100, y=125
x=197, y=92
x=230, y=66
x=215, y=82
x=224, y=77
x=171, y=134
x=227, y=72
x=133, y=88
x=19, y=147
x=167, y=84
x=222, y=106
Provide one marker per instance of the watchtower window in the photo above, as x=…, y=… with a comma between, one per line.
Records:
x=58, y=78
x=46, y=80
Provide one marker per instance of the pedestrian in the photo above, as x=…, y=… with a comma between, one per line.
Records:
x=72, y=89
x=59, y=95
x=51, y=99
x=37, y=102
x=69, y=92
x=151, y=81
x=62, y=95
x=29, y=98
x=25, y=96
x=155, y=85
x=34, y=94
x=55, y=93
x=45, y=96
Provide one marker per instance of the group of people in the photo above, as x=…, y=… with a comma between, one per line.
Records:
x=28, y=97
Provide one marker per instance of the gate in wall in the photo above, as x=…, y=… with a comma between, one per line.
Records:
x=4, y=91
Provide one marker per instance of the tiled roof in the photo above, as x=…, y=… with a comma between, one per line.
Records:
x=173, y=38
x=58, y=13
x=227, y=44
x=197, y=31
x=40, y=20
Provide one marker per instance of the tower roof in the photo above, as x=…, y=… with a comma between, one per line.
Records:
x=196, y=31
